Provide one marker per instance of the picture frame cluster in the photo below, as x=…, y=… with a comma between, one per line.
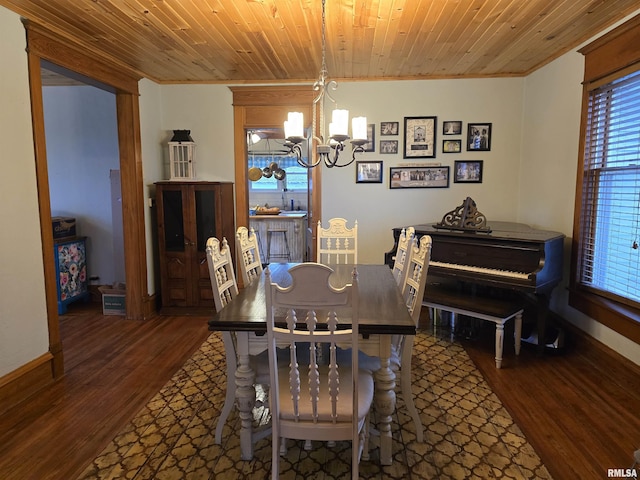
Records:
x=420, y=142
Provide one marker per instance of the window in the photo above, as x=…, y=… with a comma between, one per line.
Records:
x=610, y=218
x=296, y=178
x=605, y=256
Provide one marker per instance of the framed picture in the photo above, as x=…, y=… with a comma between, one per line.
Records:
x=451, y=146
x=389, y=128
x=479, y=137
x=388, y=146
x=451, y=127
x=419, y=137
x=419, y=177
x=368, y=172
x=370, y=146
x=467, y=171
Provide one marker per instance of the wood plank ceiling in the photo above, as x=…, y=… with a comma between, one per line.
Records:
x=276, y=41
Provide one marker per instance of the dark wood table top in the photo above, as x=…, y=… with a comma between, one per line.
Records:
x=382, y=309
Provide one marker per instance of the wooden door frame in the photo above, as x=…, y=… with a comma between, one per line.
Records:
x=88, y=63
x=267, y=107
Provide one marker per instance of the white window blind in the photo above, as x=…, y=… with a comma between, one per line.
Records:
x=610, y=220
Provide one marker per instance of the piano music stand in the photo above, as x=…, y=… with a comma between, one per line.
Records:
x=464, y=218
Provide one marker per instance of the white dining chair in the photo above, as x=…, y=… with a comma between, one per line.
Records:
x=337, y=243
x=310, y=401
x=415, y=281
x=405, y=239
x=250, y=263
x=225, y=289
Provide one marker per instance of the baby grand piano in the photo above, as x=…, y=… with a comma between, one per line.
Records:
x=505, y=255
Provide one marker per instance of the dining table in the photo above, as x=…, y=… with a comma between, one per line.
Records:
x=382, y=314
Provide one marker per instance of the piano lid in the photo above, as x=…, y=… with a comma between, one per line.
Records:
x=509, y=231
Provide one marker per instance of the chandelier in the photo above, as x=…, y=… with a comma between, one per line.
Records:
x=328, y=148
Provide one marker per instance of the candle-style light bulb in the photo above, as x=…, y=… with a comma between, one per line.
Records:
x=359, y=128
x=294, y=125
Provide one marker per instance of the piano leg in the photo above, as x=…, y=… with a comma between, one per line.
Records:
x=542, y=304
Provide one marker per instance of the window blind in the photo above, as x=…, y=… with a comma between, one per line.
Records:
x=610, y=219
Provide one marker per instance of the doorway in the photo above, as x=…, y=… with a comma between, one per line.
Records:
x=46, y=45
x=84, y=171
x=267, y=108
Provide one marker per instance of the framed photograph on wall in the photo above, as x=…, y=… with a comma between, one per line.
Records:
x=369, y=172
x=451, y=127
x=388, y=146
x=419, y=137
x=451, y=146
x=479, y=137
x=419, y=177
x=467, y=171
x=370, y=146
x=389, y=128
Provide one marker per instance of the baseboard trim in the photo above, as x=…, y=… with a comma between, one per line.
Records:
x=25, y=381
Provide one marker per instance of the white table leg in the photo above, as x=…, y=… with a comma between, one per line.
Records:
x=245, y=395
x=385, y=400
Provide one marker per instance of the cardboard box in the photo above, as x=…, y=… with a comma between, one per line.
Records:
x=63, y=227
x=113, y=301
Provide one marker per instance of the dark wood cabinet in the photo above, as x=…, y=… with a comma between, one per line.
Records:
x=188, y=214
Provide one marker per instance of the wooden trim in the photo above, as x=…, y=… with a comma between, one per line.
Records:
x=44, y=207
x=26, y=380
x=607, y=58
x=613, y=51
x=267, y=107
x=133, y=208
x=42, y=44
x=79, y=58
x=616, y=316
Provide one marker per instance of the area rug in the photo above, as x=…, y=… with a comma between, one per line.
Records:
x=468, y=432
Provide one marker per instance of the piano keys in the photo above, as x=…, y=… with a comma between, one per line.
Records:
x=513, y=256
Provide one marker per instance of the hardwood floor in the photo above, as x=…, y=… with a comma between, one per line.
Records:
x=579, y=408
x=113, y=367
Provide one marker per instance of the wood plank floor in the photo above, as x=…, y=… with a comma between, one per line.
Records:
x=579, y=409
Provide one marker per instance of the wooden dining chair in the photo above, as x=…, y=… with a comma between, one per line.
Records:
x=225, y=289
x=310, y=401
x=405, y=239
x=250, y=263
x=337, y=243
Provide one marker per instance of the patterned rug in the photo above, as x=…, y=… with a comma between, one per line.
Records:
x=468, y=433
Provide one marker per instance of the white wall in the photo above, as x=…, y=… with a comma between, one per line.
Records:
x=550, y=135
x=207, y=111
x=153, y=140
x=81, y=129
x=376, y=207
x=23, y=316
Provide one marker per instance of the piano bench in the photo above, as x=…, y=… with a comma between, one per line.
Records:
x=498, y=311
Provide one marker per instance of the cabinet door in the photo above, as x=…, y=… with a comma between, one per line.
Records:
x=205, y=225
x=174, y=244
x=188, y=214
